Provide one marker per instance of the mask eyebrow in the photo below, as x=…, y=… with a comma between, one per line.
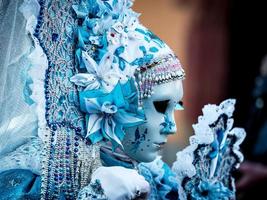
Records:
x=161, y=106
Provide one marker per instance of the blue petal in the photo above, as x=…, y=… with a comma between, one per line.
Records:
x=96, y=137
x=80, y=43
x=118, y=97
x=91, y=106
x=119, y=132
x=78, y=54
x=84, y=95
x=108, y=5
x=128, y=119
x=122, y=64
x=215, y=147
x=220, y=135
x=119, y=50
x=143, y=49
x=153, y=49
x=141, y=31
x=147, y=39
x=129, y=89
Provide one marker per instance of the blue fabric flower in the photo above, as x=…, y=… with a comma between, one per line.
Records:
x=209, y=191
x=109, y=113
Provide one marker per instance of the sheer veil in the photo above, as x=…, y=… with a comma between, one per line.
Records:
x=18, y=116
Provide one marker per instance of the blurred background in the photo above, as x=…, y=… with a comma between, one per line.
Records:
x=222, y=45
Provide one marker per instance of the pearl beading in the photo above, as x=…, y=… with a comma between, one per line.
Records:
x=159, y=71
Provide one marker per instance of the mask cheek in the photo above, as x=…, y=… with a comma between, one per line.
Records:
x=134, y=139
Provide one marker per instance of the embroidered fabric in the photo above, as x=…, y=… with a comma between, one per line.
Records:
x=205, y=167
x=55, y=32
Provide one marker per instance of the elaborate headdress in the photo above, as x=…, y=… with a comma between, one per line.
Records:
x=118, y=60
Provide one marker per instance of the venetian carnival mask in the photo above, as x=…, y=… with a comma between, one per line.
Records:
x=143, y=143
x=160, y=92
x=158, y=79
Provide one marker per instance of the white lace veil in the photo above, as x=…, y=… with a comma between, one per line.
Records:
x=18, y=121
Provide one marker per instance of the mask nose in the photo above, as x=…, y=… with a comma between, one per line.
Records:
x=168, y=127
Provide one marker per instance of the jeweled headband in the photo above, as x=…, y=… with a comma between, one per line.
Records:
x=161, y=70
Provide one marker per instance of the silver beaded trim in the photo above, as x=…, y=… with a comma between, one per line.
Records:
x=162, y=70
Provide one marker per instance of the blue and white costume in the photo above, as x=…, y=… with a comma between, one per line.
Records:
x=87, y=66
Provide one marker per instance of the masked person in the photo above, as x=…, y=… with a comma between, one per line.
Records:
x=96, y=104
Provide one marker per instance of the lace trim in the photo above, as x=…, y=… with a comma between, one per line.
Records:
x=207, y=164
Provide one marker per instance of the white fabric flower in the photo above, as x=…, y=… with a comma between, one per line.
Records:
x=121, y=32
x=116, y=34
x=99, y=76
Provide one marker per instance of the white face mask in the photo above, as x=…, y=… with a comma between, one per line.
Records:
x=144, y=142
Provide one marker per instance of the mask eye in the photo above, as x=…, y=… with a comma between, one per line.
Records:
x=179, y=106
x=161, y=106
